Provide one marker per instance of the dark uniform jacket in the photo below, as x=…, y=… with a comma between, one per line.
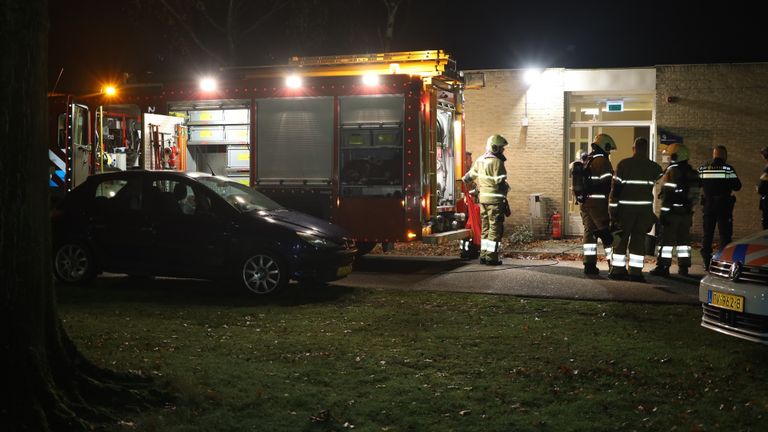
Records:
x=633, y=185
x=718, y=181
x=598, y=173
x=679, y=189
x=762, y=189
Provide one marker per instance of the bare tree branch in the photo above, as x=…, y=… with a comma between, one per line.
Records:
x=182, y=22
x=276, y=6
x=204, y=12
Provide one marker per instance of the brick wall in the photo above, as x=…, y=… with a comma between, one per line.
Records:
x=719, y=104
x=535, y=158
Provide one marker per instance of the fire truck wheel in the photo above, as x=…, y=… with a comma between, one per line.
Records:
x=264, y=273
x=73, y=264
x=364, y=247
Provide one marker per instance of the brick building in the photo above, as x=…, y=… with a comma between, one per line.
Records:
x=550, y=119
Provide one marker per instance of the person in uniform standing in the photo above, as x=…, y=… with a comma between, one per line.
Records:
x=490, y=177
x=631, y=211
x=597, y=175
x=718, y=181
x=762, y=188
x=679, y=193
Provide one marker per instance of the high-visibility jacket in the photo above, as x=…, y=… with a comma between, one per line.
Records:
x=633, y=184
x=679, y=188
x=490, y=177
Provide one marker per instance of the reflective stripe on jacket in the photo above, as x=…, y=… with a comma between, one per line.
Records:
x=634, y=181
x=490, y=176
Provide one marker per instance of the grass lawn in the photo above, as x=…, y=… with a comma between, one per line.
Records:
x=334, y=359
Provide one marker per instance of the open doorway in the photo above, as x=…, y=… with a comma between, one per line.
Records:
x=592, y=114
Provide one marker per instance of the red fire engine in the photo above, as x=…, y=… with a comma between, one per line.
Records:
x=374, y=142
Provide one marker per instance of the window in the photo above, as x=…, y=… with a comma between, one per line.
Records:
x=371, y=147
x=117, y=195
x=176, y=198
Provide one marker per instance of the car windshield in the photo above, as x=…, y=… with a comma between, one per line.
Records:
x=240, y=196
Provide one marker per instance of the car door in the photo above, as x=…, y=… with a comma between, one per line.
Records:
x=190, y=239
x=115, y=220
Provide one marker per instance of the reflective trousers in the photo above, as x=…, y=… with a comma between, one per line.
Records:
x=635, y=223
x=492, y=229
x=675, y=237
x=595, y=219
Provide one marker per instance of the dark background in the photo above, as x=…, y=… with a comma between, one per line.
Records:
x=98, y=41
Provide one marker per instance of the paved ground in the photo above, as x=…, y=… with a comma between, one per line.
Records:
x=529, y=277
x=544, y=268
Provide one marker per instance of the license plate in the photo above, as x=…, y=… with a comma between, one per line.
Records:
x=726, y=301
x=343, y=271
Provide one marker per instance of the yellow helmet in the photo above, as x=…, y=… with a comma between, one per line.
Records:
x=604, y=142
x=496, y=143
x=677, y=152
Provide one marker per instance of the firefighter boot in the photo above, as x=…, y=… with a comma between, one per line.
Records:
x=660, y=270
x=591, y=269
x=682, y=271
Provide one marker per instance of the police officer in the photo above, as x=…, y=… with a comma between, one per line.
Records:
x=598, y=172
x=679, y=192
x=490, y=176
x=718, y=181
x=631, y=210
x=762, y=188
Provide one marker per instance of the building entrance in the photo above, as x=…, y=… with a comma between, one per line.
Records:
x=589, y=115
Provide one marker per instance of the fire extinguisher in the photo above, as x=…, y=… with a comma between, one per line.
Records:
x=555, y=221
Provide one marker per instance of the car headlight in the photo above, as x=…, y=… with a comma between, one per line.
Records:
x=318, y=242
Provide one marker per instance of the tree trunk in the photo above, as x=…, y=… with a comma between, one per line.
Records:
x=47, y=383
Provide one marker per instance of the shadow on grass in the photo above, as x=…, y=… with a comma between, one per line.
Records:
x=118, y=288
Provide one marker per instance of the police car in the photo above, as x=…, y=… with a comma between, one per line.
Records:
x=734, y=294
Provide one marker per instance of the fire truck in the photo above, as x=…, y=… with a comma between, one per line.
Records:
x=372, y=142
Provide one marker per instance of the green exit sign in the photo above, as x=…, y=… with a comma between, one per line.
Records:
x=615, y=106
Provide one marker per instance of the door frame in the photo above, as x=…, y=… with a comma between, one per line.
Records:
x=569, y=228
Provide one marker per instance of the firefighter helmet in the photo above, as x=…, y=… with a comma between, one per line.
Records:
x=604, y=142
x=677, y=152
x=495, y=144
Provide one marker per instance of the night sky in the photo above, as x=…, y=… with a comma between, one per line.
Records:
x=96, y=41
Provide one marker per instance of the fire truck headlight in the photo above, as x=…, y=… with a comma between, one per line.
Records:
x=315, y=241
x=208, y=84
x=293, y=81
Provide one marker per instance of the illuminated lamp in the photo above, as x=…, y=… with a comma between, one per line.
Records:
x=531, y=75
x=293, y=81
x=109, y=90
x=411, y=235
x=371, y=79
x=208, y=84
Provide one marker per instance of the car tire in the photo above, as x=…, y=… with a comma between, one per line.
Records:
x=73, y=264
x=263, y=273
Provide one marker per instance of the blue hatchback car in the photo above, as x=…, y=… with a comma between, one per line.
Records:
x=195, y=225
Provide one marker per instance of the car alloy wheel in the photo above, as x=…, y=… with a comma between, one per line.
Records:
x=264, y=274
x=73, y=263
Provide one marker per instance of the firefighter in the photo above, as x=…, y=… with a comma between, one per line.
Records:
x=718, y=181
x=490, y=177
x=597, y=175
x=679, y=192
x=631, y=210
